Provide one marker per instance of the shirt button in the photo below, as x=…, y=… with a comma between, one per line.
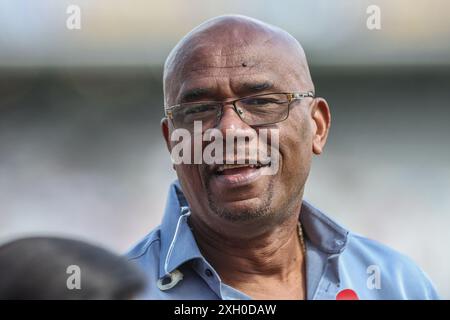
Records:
x=208, y=273
x=339, y=243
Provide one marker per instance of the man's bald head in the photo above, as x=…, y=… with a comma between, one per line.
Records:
x=234, y=41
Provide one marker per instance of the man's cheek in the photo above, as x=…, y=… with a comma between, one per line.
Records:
x=295, y=158
x=189, y=174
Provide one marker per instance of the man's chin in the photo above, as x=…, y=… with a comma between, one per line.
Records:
x=241, y=202
x=241, y=210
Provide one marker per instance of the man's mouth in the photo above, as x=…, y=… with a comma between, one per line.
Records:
x=229, y=169
x=233, y=175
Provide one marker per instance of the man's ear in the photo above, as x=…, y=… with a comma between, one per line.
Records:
x=165, y=132
x=321, y=116
x=166, y=135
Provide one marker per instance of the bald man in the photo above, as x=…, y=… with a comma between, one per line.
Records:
x=236, y=228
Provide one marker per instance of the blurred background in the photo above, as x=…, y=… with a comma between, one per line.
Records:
x=81, y=153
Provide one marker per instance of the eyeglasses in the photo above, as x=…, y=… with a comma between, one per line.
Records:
x=257, y=110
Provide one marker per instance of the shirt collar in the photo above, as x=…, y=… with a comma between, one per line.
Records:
x=184, y=246
x=178, y=244
x=321, y=230
x=325, y=241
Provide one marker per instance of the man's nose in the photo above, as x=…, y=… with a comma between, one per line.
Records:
x=230, y=120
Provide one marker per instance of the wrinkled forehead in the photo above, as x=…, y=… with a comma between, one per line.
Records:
x=243, y=65
x=205, y=58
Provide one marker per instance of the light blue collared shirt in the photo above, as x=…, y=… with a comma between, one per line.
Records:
x=336, y=259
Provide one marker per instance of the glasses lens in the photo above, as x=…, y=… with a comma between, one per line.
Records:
x=263, y=109
x=185, y=115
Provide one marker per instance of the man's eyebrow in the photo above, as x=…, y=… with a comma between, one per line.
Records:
x=255, y=87
x=194, y=94
x=245, y=88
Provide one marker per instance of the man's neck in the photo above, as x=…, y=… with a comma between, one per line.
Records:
x=267, y=266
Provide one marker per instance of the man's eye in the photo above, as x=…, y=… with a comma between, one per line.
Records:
x=198, y=109
x=259, y=101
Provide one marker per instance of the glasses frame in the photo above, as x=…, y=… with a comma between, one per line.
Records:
x=291, y=97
